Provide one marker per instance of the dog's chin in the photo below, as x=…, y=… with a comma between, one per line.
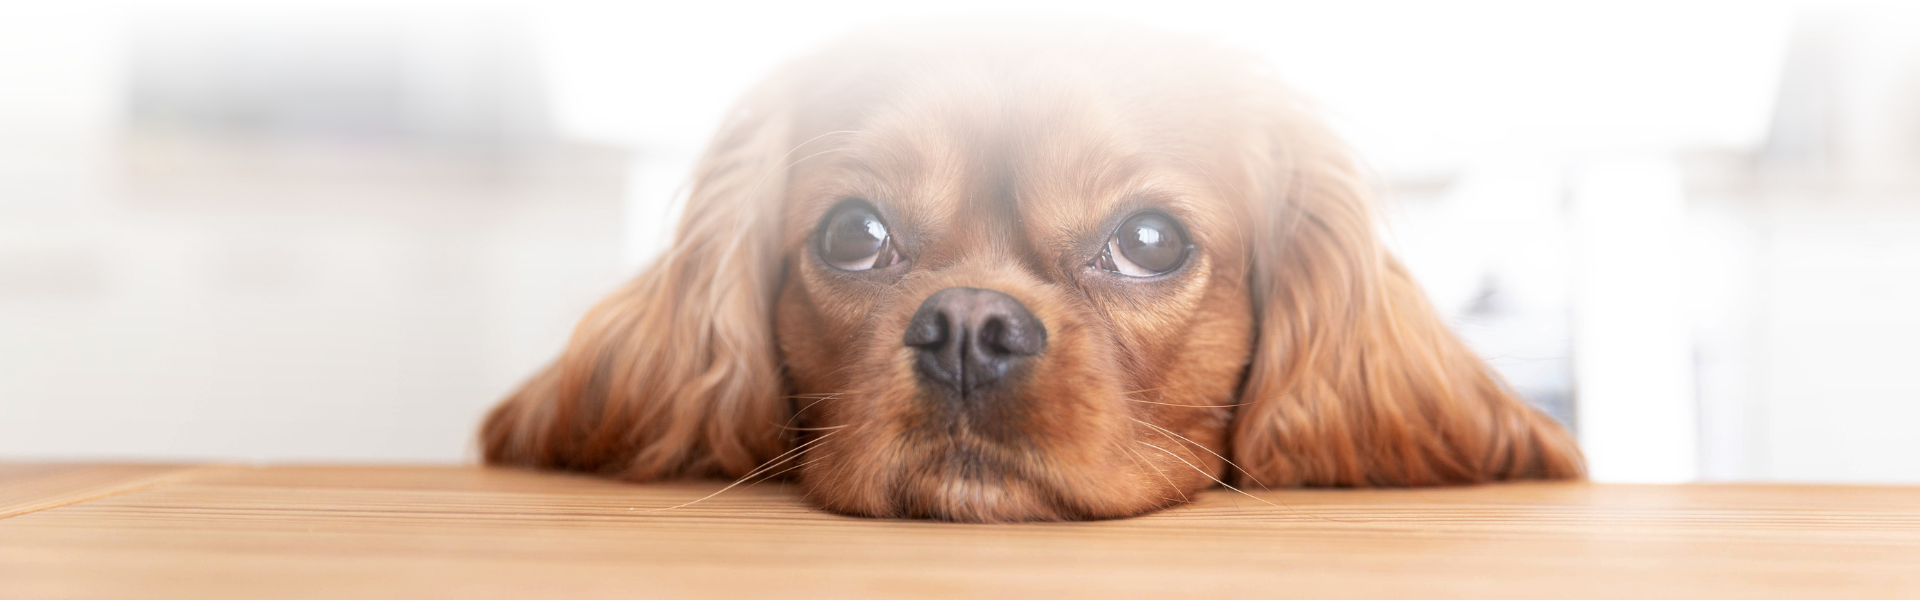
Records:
x=947, y=481
x=968, y=482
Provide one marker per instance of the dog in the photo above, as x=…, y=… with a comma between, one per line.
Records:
x=989, y=273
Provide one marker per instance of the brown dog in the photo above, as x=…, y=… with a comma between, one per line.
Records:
x=1002, y=275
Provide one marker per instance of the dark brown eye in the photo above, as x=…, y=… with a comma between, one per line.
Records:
x=1146, y=244
x=852, y=238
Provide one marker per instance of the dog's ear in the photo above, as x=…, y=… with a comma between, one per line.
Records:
x=1355, y=379
x=675, y=374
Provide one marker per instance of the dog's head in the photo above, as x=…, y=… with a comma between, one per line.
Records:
x=993, y=276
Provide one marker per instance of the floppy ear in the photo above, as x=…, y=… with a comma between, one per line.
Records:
x=1355, y=380
x=675, y=374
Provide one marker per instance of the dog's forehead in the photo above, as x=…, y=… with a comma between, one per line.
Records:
x=1042, y=152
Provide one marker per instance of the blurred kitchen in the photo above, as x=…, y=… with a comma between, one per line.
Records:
x=341, y=230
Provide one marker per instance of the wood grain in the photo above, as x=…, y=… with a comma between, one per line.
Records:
x=407, y=532
x=25, y=488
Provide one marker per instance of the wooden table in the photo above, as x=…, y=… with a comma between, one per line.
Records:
x=153, y=531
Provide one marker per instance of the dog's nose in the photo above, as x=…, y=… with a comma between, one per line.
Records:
x=969, y=339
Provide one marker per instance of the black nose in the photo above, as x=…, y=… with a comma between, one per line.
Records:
x=970, y=339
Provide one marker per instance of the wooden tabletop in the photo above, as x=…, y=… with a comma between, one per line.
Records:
x=155, y=531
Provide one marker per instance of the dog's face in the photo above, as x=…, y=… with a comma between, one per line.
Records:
x=1010, y=298
x=987, y=278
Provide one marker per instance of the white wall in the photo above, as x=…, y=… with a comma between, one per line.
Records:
x=373, y=318
x=204, y=299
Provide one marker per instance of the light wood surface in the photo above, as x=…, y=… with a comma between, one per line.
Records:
x=463, y=532
x=25, y=488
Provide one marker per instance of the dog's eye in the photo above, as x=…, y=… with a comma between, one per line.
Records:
x=852, y=238
x=1146, y=244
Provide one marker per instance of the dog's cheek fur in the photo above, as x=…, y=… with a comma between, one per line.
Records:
x=1187, y=402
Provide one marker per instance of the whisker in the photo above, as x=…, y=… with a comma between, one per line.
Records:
x=788, y=455
x=802, y=410
x=1242, y=492
x=1163, y=474
x=787, y=470
x=777, y=461
x=1189, y=405
x=1209, y=475
x=812, y=428
x=1143, y=391
x=1166, y=432
x=1140, y=462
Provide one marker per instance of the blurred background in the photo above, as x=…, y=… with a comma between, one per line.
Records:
x=303, y=231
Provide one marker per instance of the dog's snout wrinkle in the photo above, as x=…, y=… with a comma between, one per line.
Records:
x=970, y=339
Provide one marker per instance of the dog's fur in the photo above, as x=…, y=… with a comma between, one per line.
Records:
x=1291, y=349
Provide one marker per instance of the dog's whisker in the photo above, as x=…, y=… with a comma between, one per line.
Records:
x=778, y=460
x=1209, y=475
x=1185, y=450
x=1189, y=405
x=1156, y=389
x=796, y=466
x=1140, y=463
x=775, y=462
x=1163, y=474
x=817, y=398
x=812, y=428
x=1166, y=432
x=1179, y=441
x=790, y=454
x=1244, y=492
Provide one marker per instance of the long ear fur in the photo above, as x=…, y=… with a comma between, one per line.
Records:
x=675, y=374
x=1355, y=380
